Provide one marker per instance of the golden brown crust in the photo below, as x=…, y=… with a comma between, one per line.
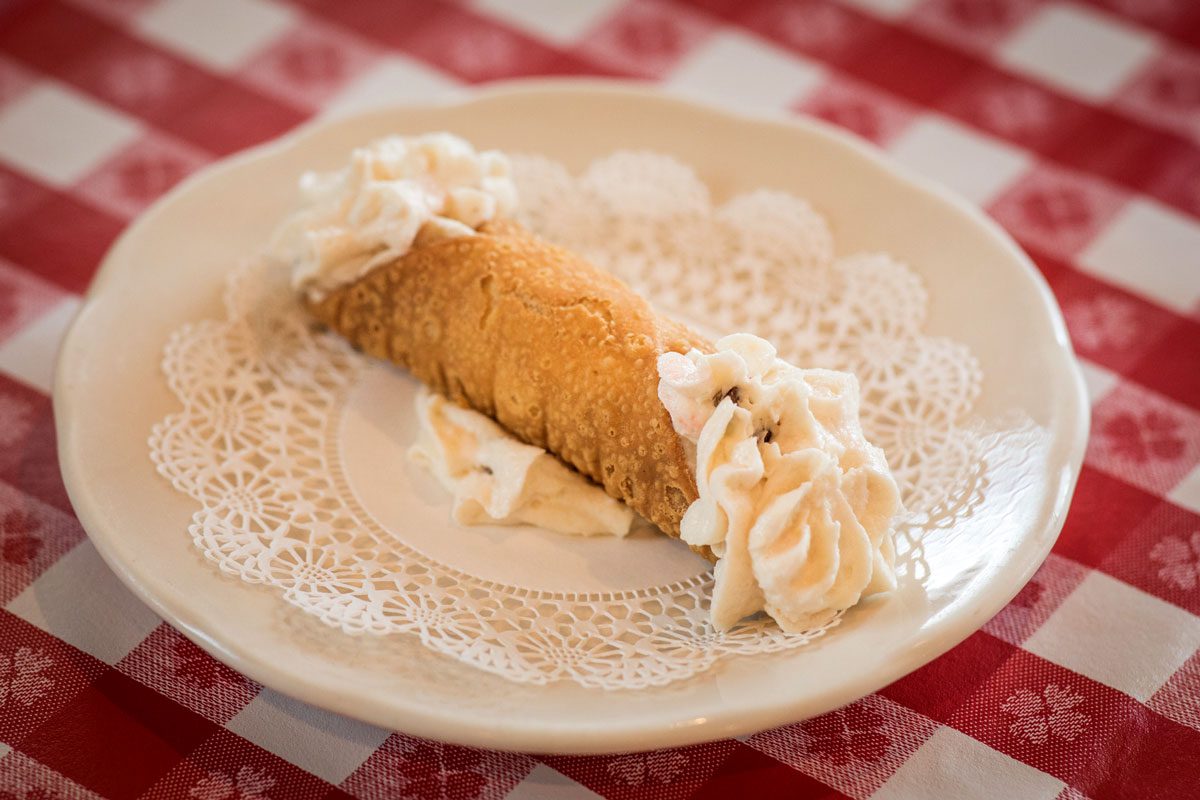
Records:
x=559, y=352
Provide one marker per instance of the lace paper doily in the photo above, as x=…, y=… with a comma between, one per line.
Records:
x=255, y=443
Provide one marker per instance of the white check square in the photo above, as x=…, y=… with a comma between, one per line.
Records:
x=1151, y=250
x=1118, y=635
x=59, y=135
x=559, y=22
x=29, y=355
x=218, y=33
x=1187, y=492
x=952, y=764
x=744, y=71
x=971, y=163
x=328, y=745
x=888, y=9
x=396, y=79
x=80, y=601
x=1077, y=49
x=546, y=783
x=1098, y=380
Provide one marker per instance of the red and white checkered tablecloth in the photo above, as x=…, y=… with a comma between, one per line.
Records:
x=1076, y=125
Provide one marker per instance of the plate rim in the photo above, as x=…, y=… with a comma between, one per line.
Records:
x=579, y=736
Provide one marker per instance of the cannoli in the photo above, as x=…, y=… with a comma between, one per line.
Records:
x=411, y=255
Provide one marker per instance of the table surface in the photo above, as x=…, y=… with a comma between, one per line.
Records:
x=1076, y=125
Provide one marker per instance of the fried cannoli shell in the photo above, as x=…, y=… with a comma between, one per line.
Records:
x=559, y=352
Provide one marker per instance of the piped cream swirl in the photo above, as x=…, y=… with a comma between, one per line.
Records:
x=392, y=191
x=793, y=499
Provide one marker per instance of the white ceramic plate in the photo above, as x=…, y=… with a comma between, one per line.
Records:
x=167, y=269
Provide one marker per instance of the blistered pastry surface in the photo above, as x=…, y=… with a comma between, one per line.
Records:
x=557, y=351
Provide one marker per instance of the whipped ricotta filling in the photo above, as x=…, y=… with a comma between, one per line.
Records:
x=794, y=501
x=395, y=191
x=497, y=480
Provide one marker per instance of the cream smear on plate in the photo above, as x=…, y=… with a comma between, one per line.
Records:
x=497, y=480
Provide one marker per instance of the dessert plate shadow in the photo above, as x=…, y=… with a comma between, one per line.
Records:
x=168, y=268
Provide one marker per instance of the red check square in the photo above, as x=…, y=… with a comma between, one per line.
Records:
x=117, y=737
x=1047, y=716
x=120, y=11
x=47, y=35
x=39, y=676
x=23, y=777
x=1179, y=697
x=28, y=445
x=478, y=49
x=309, y=65
x=231, y=117
x=23, y=298
x=1144, y=438
x=1177, y=18
x=646, y=37
x=1166, y=93
x=749, y=773
x=228, y=767
x=383, y=21
x=171, y=664
x=854, y=749
x=668, y=774
x=1105, y=511
x=1170, y=365
x=136, y=76
x=1057, y=211
x=908, y=64
x=1157, y=753
x=19, y=194
x=404, y=766
x=1037, y=600
x=1152, y=161
x=873, y=115
x=34, y=239
x=1162, y=557
x=33, y=535
x=1108, y=325
x=128, y=183
x=977, y=25
x=14, y=80
x=817, y=28
x=937, y=689
x=1018, y=110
